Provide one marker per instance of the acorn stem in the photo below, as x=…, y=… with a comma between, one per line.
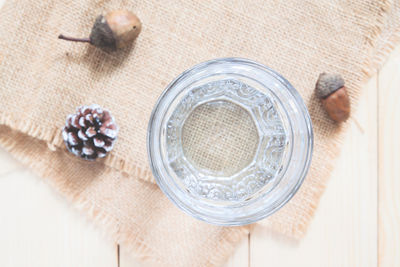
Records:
x=72, y=39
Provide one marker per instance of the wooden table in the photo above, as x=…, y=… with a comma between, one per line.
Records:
x=357, y=222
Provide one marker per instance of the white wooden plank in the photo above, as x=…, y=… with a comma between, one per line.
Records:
x=39, y=228
x=344, y=230
x=239, y=259
x=7, y=163
x=389, y=162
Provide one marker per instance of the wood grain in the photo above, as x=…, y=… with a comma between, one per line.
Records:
x=239, y=259
x=389, y=162
x=38, y=227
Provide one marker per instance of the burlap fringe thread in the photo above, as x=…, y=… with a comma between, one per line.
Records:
x=54, y=141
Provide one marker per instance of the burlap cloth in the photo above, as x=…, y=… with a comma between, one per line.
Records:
x=42, y=79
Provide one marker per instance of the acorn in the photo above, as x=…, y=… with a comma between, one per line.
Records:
x=116, y=29
x=331, y=90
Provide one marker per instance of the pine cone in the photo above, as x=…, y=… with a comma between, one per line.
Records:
x=90, y=133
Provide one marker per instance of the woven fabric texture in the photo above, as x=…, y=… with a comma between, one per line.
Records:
x=42, y=79
x=220, y=137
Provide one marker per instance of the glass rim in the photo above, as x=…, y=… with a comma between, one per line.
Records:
x=152, y=142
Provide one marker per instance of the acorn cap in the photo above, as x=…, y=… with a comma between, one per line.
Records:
x=328, y=83
x=101, y=35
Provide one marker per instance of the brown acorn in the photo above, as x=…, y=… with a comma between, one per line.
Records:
x=331, y=90
x=116, y=29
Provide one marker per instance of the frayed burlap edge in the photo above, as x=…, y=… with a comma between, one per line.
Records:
x=106, y=223
x=374, y=60
x=54, y=140
x=377, y=58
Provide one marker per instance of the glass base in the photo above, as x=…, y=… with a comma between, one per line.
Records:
x=225, y=140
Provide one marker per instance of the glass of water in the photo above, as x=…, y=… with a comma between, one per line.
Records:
x=230, y=141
